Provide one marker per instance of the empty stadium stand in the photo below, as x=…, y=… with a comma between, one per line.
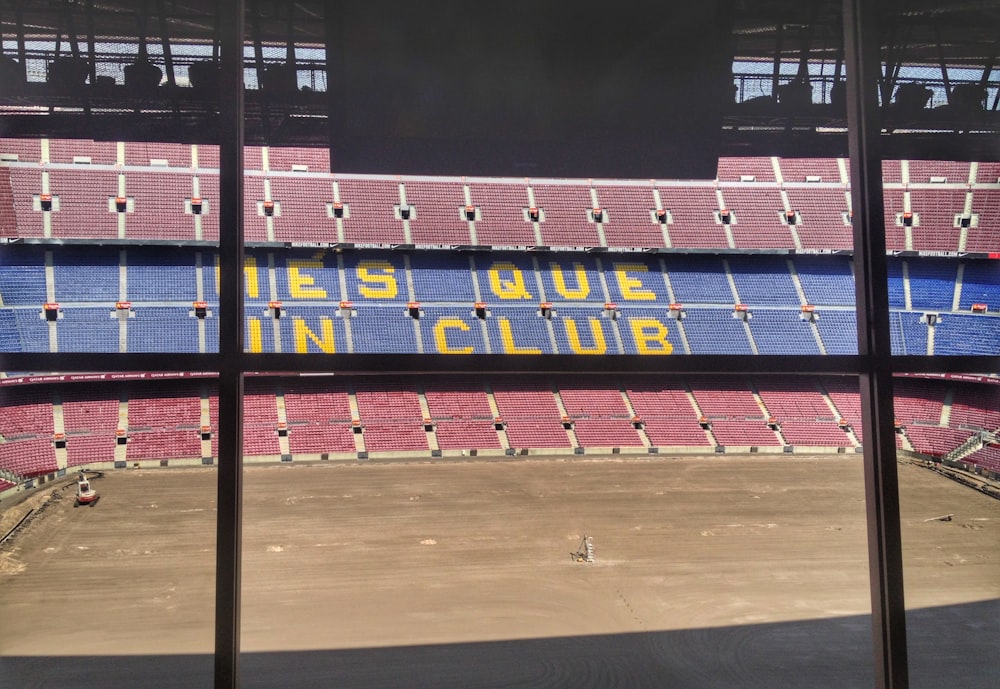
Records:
x=117, y=241
x=46, y=426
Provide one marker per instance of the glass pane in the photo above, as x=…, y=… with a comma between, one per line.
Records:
x=93, y=273
x=362, y=294
x=941, y=209
x=451, y=519
x=949, y=465
x=109, y=569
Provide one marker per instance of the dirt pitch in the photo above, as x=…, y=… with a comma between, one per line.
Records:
x=717, y=571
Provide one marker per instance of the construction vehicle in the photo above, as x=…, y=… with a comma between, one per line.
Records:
x=85, y=494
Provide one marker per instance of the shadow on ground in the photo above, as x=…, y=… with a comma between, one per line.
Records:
x=948, y=646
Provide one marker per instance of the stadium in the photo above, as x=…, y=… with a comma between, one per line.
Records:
x=487, y=429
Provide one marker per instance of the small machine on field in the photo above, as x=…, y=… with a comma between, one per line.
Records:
x=85, y=494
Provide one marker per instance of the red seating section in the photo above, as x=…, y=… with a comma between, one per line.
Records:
x=502, y=221
x=627, y=221
x=666, y=412
x=692, y=212
x=600, y=417
x=438, y=218
x=530, y=413
x=28, y=457
x=389, y=410
x=566, y=209
x=158, y=193
x=937, y=415
x=8, y=216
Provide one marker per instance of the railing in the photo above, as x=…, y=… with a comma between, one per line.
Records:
x=973, y=443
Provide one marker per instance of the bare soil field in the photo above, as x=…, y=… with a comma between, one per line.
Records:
x=719, y=571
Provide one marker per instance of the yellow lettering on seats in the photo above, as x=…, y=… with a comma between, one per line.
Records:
x=596, y=334
x=300, y=284
x=256, y=344
x=582, y=290
x=303, y=334
x=507, y=337
x=650, y=336
x=441, y=337
x=379, y=273
x=631, y=287
x=512, y=288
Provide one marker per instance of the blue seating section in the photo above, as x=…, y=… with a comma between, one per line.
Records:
x=10, y=341
x=763, y=280
x=162, y=283
x=34, y=331
x=715, y=331
x=167, y=275
x=897, y=295
x=312, y=329
x=967, y=334
x=299, y=276
x=782, y=331
x=79, y=271
x=22, y=276
x=90, y=330
x=442, y=279
x=981, y=284
x=163, y=329
x=908, y=333
x=507, y=278
x=635, y=280
x=376, y=277
x=932, y=284
x=698, y=280
x=383, y=329
x=838, y=330
x=826, y=280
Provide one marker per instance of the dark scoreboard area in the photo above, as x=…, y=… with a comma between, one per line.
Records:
x=555, y=89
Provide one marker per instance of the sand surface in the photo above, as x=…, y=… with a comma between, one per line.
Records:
x=709, y=572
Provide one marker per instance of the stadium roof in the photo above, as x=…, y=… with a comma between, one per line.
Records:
x=933, y=43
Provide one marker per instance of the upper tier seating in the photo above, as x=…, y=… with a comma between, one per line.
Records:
x=566, y=209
